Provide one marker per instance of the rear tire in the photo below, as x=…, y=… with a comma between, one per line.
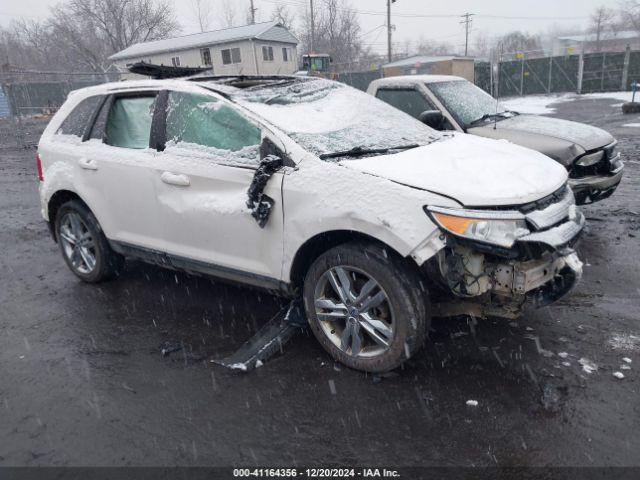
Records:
x=84, y=247
x=366, y=306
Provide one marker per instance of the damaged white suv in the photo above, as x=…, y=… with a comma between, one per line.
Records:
x=307, y=186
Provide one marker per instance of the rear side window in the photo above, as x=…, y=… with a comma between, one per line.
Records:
x=100, y=124
x=195, y=121
x=129, y=122
x=78, y=120
x=408, y=100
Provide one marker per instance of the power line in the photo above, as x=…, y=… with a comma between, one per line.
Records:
x=422, y=15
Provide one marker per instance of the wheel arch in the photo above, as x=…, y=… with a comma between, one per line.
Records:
x=58, y=199
x=315, y=246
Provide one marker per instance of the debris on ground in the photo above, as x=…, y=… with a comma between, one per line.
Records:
x=552, y=396
x=587, y=365
x=618, y=375
x=167, y=349
x=269, y=340
x=624, y=342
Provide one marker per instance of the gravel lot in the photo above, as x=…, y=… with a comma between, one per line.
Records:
x=84, y=382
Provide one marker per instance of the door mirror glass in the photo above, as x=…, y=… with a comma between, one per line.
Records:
x=432, y=118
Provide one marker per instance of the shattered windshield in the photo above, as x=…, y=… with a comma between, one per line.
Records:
x=466, y=102
x=327, y=117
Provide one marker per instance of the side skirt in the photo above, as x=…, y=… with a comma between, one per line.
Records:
x=196, y=267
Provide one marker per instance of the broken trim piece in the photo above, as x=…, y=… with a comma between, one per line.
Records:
x=269, y=340
x=258, y=202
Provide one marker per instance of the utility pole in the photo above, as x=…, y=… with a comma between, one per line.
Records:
x=253, y=13
x=389, y=30
x=313, y=29
x=467, y=28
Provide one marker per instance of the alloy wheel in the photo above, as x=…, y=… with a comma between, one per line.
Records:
x=354, y=312
x=78, y=243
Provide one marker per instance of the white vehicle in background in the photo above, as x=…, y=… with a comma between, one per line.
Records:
x=308, y=187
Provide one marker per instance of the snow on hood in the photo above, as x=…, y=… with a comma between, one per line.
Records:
x=474, y=171
x=585, y=136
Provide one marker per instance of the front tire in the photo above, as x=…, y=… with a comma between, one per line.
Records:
x=84, y=247
x=366, y=307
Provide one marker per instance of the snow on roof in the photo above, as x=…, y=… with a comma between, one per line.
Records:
x=270, y=31
x=604, y=36
x=411, y=79
x=410, y=61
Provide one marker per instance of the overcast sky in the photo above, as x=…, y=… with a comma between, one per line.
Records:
x=531, y=15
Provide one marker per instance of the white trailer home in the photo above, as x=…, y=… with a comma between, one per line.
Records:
x=259, y=49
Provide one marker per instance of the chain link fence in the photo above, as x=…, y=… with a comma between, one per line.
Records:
x=28, y=94
x=588, y=73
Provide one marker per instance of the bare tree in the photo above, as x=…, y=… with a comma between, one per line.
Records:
x=630, y=14
x=82, y=34
x=337, y=31
x=519, y=42
x=601, y=22
x=432, y=47
x=228, y=13
x=481, y=45
x=201, y=10
x=283, y=16
x=120, y=22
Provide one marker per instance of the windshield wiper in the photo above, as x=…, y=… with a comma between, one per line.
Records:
x=361, y=151
x=487, y=116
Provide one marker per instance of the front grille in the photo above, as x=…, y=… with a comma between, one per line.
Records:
x=545, y=202
x=552, y=213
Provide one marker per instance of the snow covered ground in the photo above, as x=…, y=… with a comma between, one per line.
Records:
x=543, y=104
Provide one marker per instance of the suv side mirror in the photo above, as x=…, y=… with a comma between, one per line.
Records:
x=432, y=118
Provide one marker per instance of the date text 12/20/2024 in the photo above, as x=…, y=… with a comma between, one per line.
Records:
x=315, y=473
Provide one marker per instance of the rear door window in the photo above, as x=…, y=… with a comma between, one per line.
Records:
x=99, y=126
x=210, y=126
x=408, y=100
x=78, y=120
x=129, y=122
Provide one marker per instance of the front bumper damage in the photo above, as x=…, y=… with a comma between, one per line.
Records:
x=599, y=181
x=541, y=268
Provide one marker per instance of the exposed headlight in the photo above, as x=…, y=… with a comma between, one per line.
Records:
x=496, y=228
x=590, y=159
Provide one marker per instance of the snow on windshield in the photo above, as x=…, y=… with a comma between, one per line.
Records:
x=328, y=117
x=464, y=100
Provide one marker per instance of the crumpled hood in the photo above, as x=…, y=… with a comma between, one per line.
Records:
x=561, y=140
x=474, y=171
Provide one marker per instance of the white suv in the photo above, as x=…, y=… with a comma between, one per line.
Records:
x=308, y=187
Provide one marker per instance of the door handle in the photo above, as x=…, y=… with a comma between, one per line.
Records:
x=88, y=164
x=178, y=180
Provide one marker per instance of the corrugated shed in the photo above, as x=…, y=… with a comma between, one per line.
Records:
x=270, y=31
